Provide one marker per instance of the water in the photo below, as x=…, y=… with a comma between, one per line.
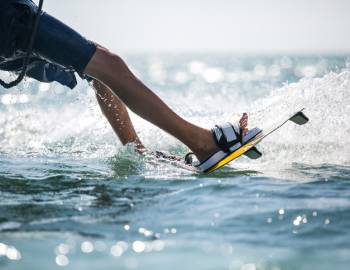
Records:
x=73, y=198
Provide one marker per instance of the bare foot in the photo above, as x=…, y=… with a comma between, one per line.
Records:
x=244, y=123
x=208, y=145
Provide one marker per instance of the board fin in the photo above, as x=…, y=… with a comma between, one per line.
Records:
x=299, y=118
x=253, y=153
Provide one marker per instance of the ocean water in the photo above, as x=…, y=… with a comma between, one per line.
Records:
x=72, y=197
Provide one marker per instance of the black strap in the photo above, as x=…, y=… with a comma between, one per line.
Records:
x=223, y=143
x=29, y=51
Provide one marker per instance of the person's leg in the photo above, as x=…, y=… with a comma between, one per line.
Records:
x=61, y=45
x=117, y=115
x=113, y=72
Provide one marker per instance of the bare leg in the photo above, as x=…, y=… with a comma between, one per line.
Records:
x=113, y=72
x=117, y=115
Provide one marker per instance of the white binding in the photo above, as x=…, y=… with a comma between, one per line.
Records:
x=229, y=133
x=220, y=155
x=210, y=162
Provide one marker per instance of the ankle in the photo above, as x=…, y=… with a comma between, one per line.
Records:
x=205, y=146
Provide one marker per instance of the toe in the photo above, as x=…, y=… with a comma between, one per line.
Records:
x=244, y=123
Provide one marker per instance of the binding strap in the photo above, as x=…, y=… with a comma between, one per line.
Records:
x=228, y=137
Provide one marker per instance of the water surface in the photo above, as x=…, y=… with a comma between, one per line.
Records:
x=73, y=198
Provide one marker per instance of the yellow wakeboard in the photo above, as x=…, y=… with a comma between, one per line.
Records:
x=298, y=118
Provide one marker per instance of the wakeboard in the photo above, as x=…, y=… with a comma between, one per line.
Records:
x=249, y=149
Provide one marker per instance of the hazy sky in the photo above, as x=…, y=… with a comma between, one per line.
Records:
x=277, y=26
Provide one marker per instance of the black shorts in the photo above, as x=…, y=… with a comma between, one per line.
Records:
x=55, y=42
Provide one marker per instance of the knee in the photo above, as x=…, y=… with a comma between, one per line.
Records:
x=110, y=60
x=104, y=62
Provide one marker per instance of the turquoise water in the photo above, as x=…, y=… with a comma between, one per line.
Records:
x=73, y=198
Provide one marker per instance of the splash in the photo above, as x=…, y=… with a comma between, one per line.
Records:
x=325, y=138
x=51, y=121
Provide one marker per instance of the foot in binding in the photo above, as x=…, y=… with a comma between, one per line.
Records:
x=228, y=138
